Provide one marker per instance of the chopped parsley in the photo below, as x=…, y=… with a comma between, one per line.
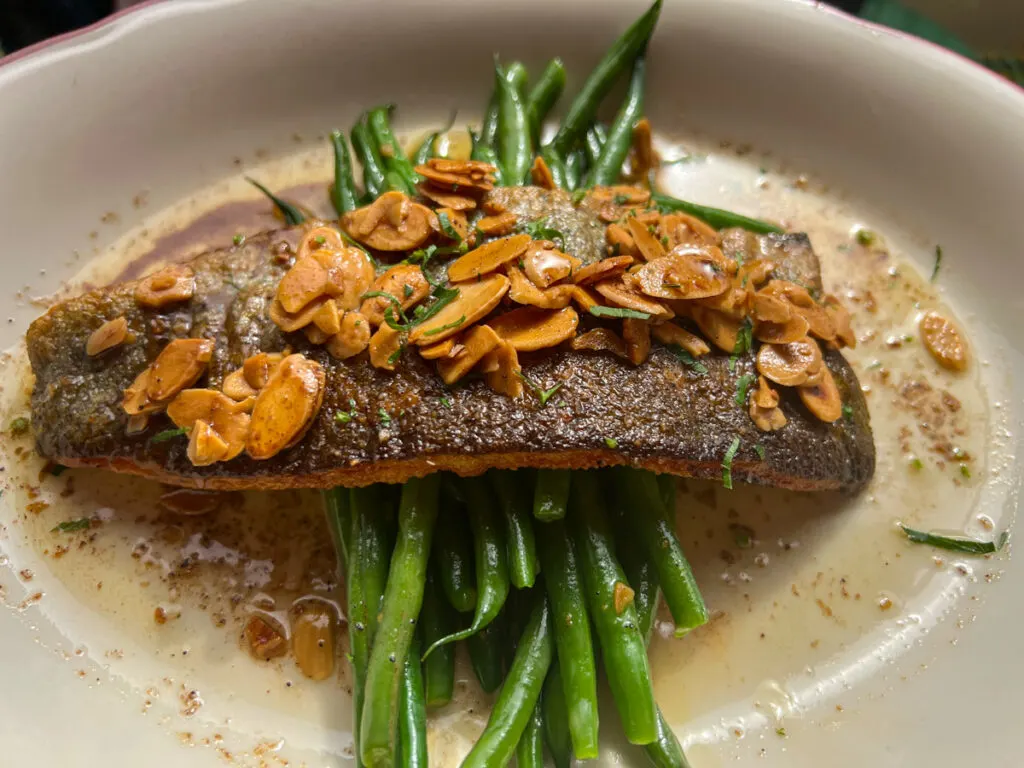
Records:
x=539, y=230
x=168, y=434
x=450, y=232
x=759, y=450
x=742, y=385
x=866, y=237
x=578, y=195
x=938, y=263
x=780, y=732
x=965, y=471
x=730, y=454
x=19, y=426
x=916, y=464
x=446, y=402
x=847, y=412
x=344, y=417
x=385, y=417
x=611, y=442
x=238, y=239
x=543, y=395
x=744, y=341
x=963, y=544
x=291, y=213
x=688, y=360
x=620, y=199
x=72, y=526
x=397, y=354
x=319, y=239
x=742, y=535
x=619, y=312
x=445, y=327
x=406, y=290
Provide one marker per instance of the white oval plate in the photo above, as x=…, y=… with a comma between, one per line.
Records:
x=174, y=97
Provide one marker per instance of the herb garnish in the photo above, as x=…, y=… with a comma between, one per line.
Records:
x=344, y=417
x=238, y=239
x=847, y=412
x=385, y=417
x=406, y=291
x=938, y=263
x=450, y=232
x=71, y=526
x=742, y=385
x=168, y=434
x=688, y=360
x=965, y=471
x=446, y=402
x=293, y=216
x=611, y=442
x=866, y=237
x=620, y=199
x=759, y=450
x=578, y=195
x=19, y=426
x=539, y=230
x=744, y=340
x=446, y=327
x=619, y=312
x=730, y=454
x=541, y=394
x=394, y=356
x=963, y=544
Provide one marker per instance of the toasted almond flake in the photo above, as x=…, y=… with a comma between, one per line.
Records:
x=439, y=350
x=612, y=203
x=315, y=335
x=540, y=174
x=458, y=221
x=620, y=242
x=313, y=631
x=236, y=387
x=794, y=329
x=265, y=637
x=769, y=308
x=171, y=284
x=637, y=335
x=683, y=274
x=458, y=175
x=649, y=246
x=641, y=157
x=476, y=342
x=137, y=424
x=545, y=265
x=447, y=199
x=767, y=419
x=227, y=418
x=487, y=258
x=845, y=337
x=475, y=300
x=286, y=407
x=584, y=298
x=523, y=291
x=621, y=295
x=528, y=329
x=328, y=318
x=623, y=597
x=392, y=222
x=764, y=396
x=191, y=502
x=109, y=335
x=495, y=226
x=353, y=336
x=294, y=322
x=719, y=328
x=205, y=446
x=136, y=401
x=179, y=365
x=683, y=229
x=501, y=371
x=606, y=269
x=319, y=238
x=304, y=282
x=405, y=282
x=349, y=275
x=799, y=298
x=492, y=205
x=823, y=399
x=944, y=341
x=260, y=367
x=384, y=344
x=601, y=340
x=670, y=333
x=753, y=273
x=789, y=364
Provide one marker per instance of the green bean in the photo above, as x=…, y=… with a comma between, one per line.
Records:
x=557, y=166
x=344, y=196
x=572, y=634
x=291, y=213
x=551, y=494
x=515, y=150
x=530, y=749
x=641, y=574
x=436, y=621
x=556, y=718
x=716, y=217
x=339, y=523
x=485, y=153
x=369, y=157
x=393, y=182
x=391, y=152
x=403, y=599
x=427, y=148
x=515, y=504
x=485, y=654
x=367, y=575
x=665, y=751
x=454, y=554
x=667, y=486
x=518, y=77
x=608, y=167
x=518, y=696
x=621, y=55
x=412, y=717
x=492, y=583
x=623, y=647
x=638, y=492
x=575, y=168
x=544, y=95
x=488, y=135
x=597, y=135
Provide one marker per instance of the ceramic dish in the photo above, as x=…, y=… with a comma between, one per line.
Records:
x=835, y=641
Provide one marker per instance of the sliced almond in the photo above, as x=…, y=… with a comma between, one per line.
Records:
x=794, y=329
x=612, y=203
x=637, y=335
x=719, y=328
x=523, y=291
x=476, y=342
x=841, y=320
x=646, y=242
x=385, y=347
x=405, y=283
x=789, y=364
x=137, y=424
x=315, y=335
x=545, y=265
x=670, y=333
x=540, y=174
x=458, y=175
x=236, y=387
x=457, y=220
x=289, y=322
x=447, y=199
x=475, y=300
x=621, y=295
x=601, y=340
x=764, y=395
x=823, y=399
x=502, y=371
x=392, y=222
x=753, y=273
x=109, y=335
x=584, y=298
x=349, y=275
x=136, y=401
x=328, y=318
x=684, y=274
x=528, y=329
x=943, y=341
x=487, y=258
x=319, y=238
x=437, y=351
x=179, y=365
x=168, y=286
x=620, y=242
x=353, y=336
x=641, y=156
x=767, y=419
x=606, y=269
x=797, y=296
x=228, y=419
x=260, y=367
x=191, y=502
x=205, y=446
x=304, y=282
x=769, y=308
x=286, y=407
x=684, y=229
x=496, y=226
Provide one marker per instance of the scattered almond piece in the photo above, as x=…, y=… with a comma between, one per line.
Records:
x=606, y=269
x=392, y=222
x=789, y=364
x=447, y=199
x=523, y=291
x=823, y=399
x=353, y=336
x=385, y=347
x=646, y=242
x=719, y=328
x=205, y=446
x=528, y=329
x=168, y=286
x=540, y=174
x=286, y=407
x=109, y=335
x=475, y=300
x=496, y=226
x=502, y=371
x=601, y=340
x=621, y=295
x=670, y=333
x=637, y=335
x=545, y=265
x=406, y=283
x=179, y=365
x=944, y=342
x=487, y=258
x=475, y=343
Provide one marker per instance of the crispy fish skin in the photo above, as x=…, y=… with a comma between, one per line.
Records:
x=661, y=415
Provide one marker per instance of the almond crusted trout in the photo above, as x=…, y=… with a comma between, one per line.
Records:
x=382, y=426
